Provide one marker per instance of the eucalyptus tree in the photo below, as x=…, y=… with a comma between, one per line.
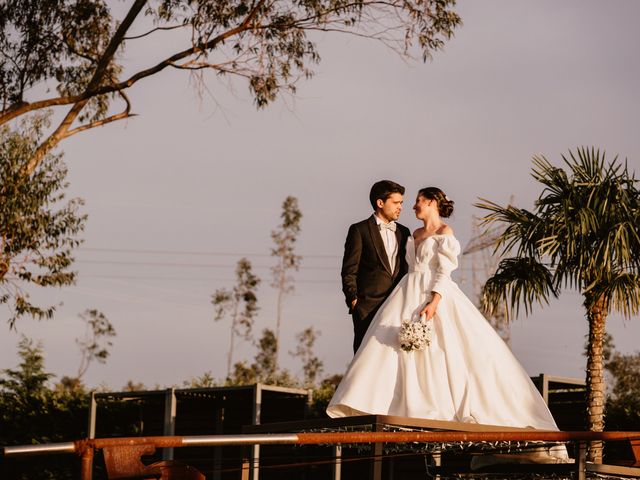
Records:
x=284, y=239
x=76, y=48
x=263, y=369
x=583, y=233
x=312, y=366
x=39, y=226
x=240, y=303
x=266, y=358
x=95, y=343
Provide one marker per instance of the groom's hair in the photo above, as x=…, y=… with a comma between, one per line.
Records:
x=383, y=190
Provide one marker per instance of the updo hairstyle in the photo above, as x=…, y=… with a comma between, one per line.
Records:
x=445, y=206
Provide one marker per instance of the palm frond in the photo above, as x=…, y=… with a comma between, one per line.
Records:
x=553, y=178
x=585, y=227
x=517, y=281
x=622, y=291
x=523, y=228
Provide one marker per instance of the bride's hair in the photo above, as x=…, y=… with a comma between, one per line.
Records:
x=445, y=206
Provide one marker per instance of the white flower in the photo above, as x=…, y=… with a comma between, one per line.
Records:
x=415, y=335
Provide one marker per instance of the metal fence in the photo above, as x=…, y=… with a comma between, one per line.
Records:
x=122, y=455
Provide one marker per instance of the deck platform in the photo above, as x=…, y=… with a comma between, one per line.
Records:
x=378, y=461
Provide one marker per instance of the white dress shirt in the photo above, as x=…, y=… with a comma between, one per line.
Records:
x=390, y=242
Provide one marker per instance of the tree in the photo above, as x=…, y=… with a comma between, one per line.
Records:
x=30, y=380
x=132, y=386
x=284, y=238
x=264, y=368
x=266, y=364
x=97, y=329
x=32, y=413
x=622, y=409
x=38, y=226
x=206, y=380
x=623, y=401
x=322, y=395
x=240, y=303
x=77, y=47
x=312, y=366
x=583, y=233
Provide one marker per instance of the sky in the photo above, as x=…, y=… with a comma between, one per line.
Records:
x=179, y=193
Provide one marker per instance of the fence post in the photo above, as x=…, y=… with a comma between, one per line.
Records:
x=86, y=463
x=581, y=460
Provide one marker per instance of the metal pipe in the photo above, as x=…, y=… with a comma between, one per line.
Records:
x=66, y=447
x=258, y=439
x=437, y=437
x=323, y=438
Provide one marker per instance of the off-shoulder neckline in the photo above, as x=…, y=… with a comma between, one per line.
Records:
x=416, y=245
x=434, y=235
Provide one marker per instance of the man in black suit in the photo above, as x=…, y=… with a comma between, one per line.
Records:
x=374, y=257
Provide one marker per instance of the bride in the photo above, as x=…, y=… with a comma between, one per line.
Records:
x=466, y=374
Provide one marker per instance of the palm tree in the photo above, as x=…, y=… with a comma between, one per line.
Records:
x=583, y=233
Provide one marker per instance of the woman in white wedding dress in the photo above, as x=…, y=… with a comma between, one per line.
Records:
x=466, y=374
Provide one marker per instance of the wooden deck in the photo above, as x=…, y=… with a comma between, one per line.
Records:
x=375, y=464
x=375, y=423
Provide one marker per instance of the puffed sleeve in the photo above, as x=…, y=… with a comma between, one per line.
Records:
x=448, y=251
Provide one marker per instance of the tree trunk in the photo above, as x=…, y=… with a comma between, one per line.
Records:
x=98, y=75
x=596, y=315
x=278, y=321
x=234, y=321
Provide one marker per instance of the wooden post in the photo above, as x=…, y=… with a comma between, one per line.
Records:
x=246, y=467
x=376, y=468
x=337, y=465
x=169, y=427
x=437, y=459
x=257, y=409
x=86, y=463
x=217, y=451
x=581, y=460
x=93, y=407
x=376, y=465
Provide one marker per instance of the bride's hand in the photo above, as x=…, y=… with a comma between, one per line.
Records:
x=430, y=308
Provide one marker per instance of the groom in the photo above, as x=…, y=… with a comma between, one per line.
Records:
x=374, y=257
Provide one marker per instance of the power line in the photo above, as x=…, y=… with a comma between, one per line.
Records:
x=195, y=279
x=196, y=265
x=335, y=268
x=194, y=252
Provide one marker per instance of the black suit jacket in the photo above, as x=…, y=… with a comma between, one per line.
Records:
x=366, y=274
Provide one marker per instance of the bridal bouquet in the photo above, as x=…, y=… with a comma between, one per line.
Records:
x=415, y=335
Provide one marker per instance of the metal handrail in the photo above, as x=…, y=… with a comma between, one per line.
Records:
x=318, y=438
x=85, y=448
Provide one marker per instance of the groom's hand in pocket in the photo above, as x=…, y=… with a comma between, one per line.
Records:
x=353, y=305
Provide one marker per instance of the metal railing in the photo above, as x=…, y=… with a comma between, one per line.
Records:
x=141, y=445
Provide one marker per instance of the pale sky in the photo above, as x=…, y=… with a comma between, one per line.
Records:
x=204, y=179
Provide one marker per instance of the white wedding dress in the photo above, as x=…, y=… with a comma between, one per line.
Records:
x=467, y=374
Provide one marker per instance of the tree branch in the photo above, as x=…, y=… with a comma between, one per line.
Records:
x=171, y=61
x=98, y=75
x=19, y=109
x=153, y=31
x=98, y=123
